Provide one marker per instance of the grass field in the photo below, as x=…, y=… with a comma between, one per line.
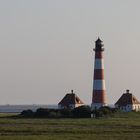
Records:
x=124, y=126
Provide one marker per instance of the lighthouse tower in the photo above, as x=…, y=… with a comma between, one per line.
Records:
x=99, y=91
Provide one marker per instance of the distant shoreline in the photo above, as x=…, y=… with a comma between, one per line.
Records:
x=19, y=108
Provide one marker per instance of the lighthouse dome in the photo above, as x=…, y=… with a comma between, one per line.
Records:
x=99, y=45
x=98, y=40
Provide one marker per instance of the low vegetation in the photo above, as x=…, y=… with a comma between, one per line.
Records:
x=79, y=112
x=121, y=126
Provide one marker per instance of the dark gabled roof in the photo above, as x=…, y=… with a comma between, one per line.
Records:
x=70, y=98
x=127, y=98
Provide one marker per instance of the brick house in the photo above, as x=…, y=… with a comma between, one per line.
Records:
x=70, y=100
x=128, y=102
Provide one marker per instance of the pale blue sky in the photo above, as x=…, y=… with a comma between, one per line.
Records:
x=46, y=48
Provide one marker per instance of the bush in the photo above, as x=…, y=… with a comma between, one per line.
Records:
x=42, y=112
x=65, y=113
x=81, y=112
x=54, y=113
x=104, y=111
x=27, y=113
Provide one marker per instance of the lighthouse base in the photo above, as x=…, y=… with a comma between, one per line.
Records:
x=95, y=106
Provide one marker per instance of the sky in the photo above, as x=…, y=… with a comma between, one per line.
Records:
x=46, y=49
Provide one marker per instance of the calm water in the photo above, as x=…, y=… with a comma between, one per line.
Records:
x=20, y=108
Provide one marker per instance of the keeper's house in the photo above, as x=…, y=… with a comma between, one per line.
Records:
x=70, y=100
x=128, y=102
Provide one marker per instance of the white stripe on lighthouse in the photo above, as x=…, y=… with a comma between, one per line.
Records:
x=99, y=85
x=99, y=64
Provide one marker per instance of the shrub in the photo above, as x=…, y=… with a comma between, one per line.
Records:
x=42, y=112
x=27, y=113
x=65, y=113
x=104, y=111
x=81, y=112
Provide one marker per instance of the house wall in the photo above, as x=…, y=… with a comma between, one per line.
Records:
x=129, y=107
x=136, y=107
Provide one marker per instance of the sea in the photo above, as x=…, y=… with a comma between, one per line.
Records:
x=19, y=108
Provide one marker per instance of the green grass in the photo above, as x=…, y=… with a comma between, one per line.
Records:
x=123, y=126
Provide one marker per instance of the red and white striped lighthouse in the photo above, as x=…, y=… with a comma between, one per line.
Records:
x=99, y=91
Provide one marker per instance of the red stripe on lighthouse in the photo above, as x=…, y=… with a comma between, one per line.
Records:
x=98, y=74
x=98, y=55
x=99, y=96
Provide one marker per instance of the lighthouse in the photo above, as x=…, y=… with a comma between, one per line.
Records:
x=99, y=91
